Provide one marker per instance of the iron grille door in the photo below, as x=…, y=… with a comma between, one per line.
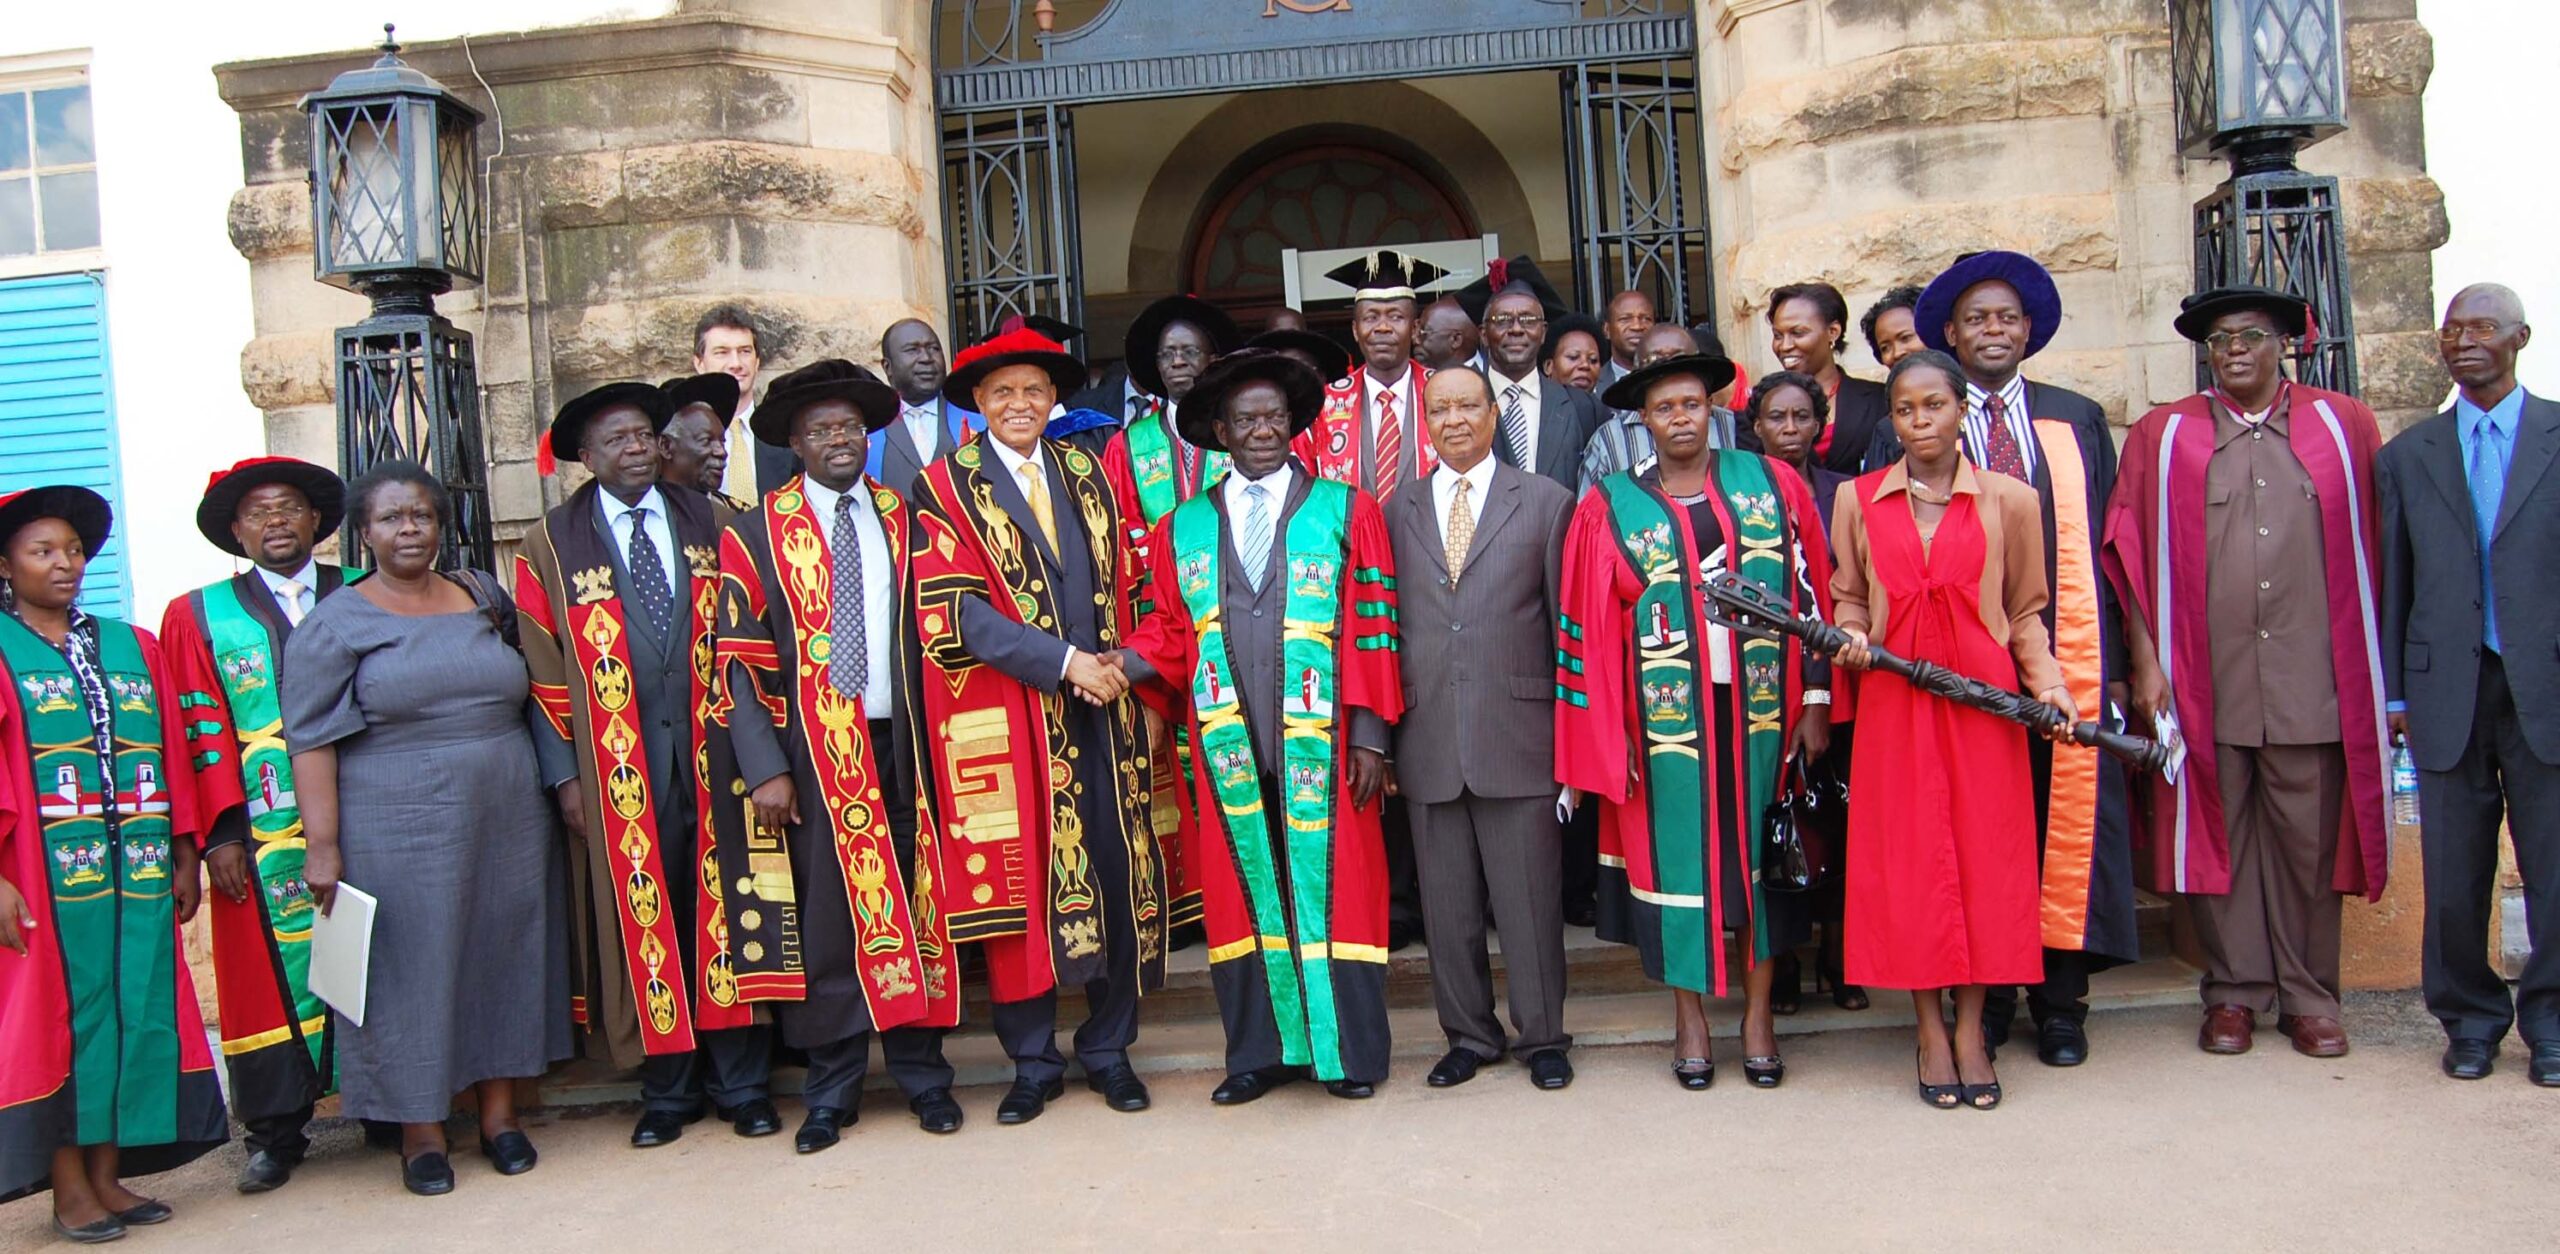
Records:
x=1632, y=139
x=1010, y=228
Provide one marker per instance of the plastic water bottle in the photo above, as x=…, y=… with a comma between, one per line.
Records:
x=2404, y=787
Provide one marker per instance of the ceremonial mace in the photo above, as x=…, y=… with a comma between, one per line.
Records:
x=1751, y=610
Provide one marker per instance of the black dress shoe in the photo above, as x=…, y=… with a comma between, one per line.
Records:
x=935, y=1111
x=95, y=1232
x=2469, y=1058
x=754, y=1117
x=510, y=1152
x=1400, y=935
x=1550, y=1069
x=2545, y=1067
x=1120, y=1087
x=1246, y=1086
x=823, y=1127
x=1352, y=1089
x=149, y=1212
x=1581, y=914
x=1026, y=1099
x=264, y=1173
x=658, y=1127
x=2062, y=1043
x=1454, y=1068
x=428, y=1175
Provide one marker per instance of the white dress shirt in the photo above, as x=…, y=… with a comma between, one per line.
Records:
x=879, y=583
x=308, y=578
x=652, y=510
x=1444, y=486
x=1528, y=408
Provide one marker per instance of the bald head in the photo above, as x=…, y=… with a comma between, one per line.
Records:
x=1664, y=340
x=1448, y=336
x=2484, y=329
x=2488, y=300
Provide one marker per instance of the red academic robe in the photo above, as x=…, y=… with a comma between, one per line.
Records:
x=2155, y=556
x=1332, y=445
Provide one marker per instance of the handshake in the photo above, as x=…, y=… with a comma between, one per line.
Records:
x=1098, y=678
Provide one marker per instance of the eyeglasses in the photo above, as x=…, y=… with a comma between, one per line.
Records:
x=1515, y=322
x=2481, y=332
x=2248, y=339
x=285, y=512
x=1170, y=355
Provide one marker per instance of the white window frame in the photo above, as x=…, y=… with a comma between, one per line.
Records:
x=38, y=71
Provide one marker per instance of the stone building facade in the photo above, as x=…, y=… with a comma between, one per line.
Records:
x=786, y=154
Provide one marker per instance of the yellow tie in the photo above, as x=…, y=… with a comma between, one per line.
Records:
x=1035, y=493
x=1462, y=526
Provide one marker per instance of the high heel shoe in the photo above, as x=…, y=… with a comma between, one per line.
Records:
x=1982, y=1096
x=1765, y=1071
x=1942, y=1096
x=1694, y=1074
x=1786, y=984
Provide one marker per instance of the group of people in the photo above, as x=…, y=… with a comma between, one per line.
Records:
x=982, y=671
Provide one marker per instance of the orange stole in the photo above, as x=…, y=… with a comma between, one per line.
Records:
x=2071, y=814
x=907, y=973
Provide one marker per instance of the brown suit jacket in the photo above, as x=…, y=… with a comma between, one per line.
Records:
x=1479, y=653
x=2013, y=582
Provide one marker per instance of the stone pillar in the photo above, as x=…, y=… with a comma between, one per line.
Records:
x=1867, y=144
x=775, y=153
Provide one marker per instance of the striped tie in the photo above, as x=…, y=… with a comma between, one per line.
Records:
x=1515, y=425
x=1390, y=448
x=1253, y=541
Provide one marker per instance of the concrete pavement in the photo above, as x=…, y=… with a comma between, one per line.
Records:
x=2150, y=1146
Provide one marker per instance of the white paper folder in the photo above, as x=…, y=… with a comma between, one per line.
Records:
x=342, y=952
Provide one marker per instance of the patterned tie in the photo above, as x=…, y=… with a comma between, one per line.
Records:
x=1390, y=450
x=1515, y=427
x=289, y=594
x=1035, y=493
x=1999, y=443
x=1253, y=542
x=1462, y=526
x=848, y=666
x=649, y=576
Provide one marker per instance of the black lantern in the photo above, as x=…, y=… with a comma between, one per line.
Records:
x=2257, y=82
x=396, y=215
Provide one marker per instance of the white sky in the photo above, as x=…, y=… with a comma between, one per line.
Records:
x=179, y=297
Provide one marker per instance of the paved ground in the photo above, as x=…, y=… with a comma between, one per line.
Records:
x=2150, y=1146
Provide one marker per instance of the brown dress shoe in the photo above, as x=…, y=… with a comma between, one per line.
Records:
x=2227, y=1030
x=2317, y=1036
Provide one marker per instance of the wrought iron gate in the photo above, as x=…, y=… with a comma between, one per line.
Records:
x=1636, y=199
x=1009, y=225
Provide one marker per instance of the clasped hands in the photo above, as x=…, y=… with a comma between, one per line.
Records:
x=1098, y=678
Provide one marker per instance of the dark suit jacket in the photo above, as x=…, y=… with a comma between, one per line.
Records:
x=895, y=459
x=1479, y=660
x=2432, y=619
x=1566, y=418
x=1109, y=396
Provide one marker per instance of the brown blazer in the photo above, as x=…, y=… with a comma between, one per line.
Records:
x=1479, y=652
x=2013, y=584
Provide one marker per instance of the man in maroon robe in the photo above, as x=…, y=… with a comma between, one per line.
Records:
x=2241, y=540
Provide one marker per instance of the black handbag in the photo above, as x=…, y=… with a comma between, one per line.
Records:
x=1802, y=830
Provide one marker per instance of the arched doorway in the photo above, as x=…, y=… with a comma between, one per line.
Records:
x=1331, y=189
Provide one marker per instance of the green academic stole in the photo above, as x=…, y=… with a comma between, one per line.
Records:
x=111, y=898
x=1313, y=550
x=1656, y=540
x=244, y=659
x=1158, y=471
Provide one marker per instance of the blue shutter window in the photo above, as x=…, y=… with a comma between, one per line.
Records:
x=57, y=411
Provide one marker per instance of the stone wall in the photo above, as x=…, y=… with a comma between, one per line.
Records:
x=1867, y=142
x=645, y=171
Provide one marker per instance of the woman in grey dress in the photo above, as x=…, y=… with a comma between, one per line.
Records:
x=407, y=719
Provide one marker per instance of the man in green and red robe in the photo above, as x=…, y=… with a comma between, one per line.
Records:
x=834, y=910
x=615, y=595
x=1273, y=635
x=225, y=646
x=105, y=1069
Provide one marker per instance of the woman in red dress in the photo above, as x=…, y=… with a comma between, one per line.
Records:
x=1944, y=564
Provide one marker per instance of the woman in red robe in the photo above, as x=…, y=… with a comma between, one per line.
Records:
x=1940, y=563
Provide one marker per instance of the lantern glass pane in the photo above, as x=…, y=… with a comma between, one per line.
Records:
x=2231, y=64
x=458, y=173
x=369, y=222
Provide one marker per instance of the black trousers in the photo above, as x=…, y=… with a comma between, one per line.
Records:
x=728, y=1069
x=282, y=1137
x=2064, y=993
x=2459, y=812
x=1404, y=887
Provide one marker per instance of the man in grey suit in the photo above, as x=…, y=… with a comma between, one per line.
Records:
x=2471, y=663
x=1475, y=754
x=928, y=427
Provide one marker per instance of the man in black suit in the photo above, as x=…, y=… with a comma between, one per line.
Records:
x=2471, y=663
x=1540, y=424
x=1475, y=752
x=927, y=427
x=1448, y=336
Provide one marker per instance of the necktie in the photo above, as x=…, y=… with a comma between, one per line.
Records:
x=1253, y=541
x=2488, y=492
x=849, y=635
x=1462, y=526
x=1390, y=446
x=1999, y=443
x=649, y=576
x=1515, y=428
x=1035, y=493
x=289, y=594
